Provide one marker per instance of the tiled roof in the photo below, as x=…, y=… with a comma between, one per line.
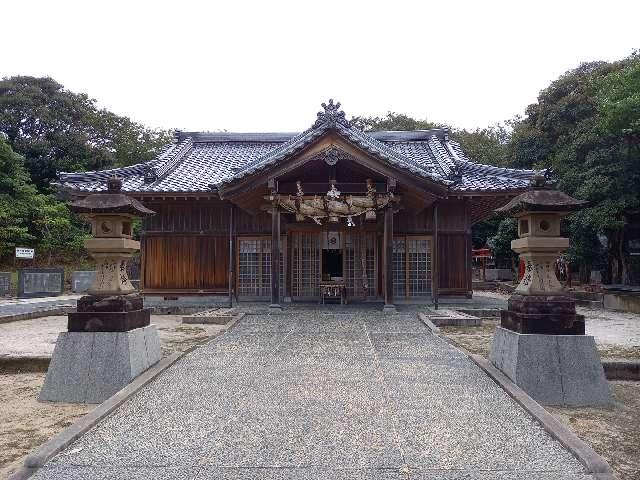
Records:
x=198, y=161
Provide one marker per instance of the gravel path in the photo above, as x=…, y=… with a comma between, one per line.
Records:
x=319, y=396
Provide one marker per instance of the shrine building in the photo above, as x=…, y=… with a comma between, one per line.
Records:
x=289, y=217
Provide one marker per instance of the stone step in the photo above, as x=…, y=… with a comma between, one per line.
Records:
x=621, y=368
x=215, y=316
x=588, y=296
x=487, y=285
x=590, y=303
x=447, y=317
x=480, y=312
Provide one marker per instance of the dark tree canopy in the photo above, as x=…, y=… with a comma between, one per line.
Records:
x=44, y=129
x=32, y=219
x=393, y=121
x=585, y=127
x=55, y=129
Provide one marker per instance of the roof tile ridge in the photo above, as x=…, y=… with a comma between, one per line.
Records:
x=158, y=168
x=391, y=154
x=123, y=172
x=99, y=175
x=493, y=169
x=446, y=163
x=281, y=149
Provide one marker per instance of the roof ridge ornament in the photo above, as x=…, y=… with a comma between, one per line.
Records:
x=541, y=181
x=455, y=174
x=114, y=184
x=331, y=116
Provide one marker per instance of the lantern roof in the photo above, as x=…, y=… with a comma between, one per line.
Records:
x=542, y=197
x=111, y=201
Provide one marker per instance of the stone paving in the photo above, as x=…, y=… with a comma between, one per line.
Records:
x=304, y=395
x=17, y=306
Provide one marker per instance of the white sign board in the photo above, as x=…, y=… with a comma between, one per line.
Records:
x=25, y=252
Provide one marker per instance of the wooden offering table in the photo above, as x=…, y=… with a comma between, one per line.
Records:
x=333, y=289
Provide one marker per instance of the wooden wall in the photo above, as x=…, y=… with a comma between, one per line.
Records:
x=185, y=246
x=193, y=263
x=454, y=244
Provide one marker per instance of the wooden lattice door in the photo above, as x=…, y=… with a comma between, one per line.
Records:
x=359, y=264
x=412, y=256
x=305, y=265
x=254, y=267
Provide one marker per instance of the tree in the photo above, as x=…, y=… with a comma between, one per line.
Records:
x=392, y=121
x=619, y=99
x=32, y=219
x=500, y=243
x=486, y=145
x=58, y=130
x=18, y=199
x=582, y=127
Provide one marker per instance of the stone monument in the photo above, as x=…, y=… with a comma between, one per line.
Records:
x=109, y=340
x=541, y=343
x=40, y=282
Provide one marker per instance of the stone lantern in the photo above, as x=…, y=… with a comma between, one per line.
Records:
x=539, y=303
x=541, y=343
x=112, y=304
x=109, y=340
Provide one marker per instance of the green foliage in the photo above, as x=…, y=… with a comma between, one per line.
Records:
x=619, y=99
x=482, y=231
x=585, y=249
x=500, y=243
x=17, y=202
x=32, y=219
x=585, y=127
x=486, y=145
x=44, y=129
x=392, y=121
x=572, y=131
x=58, y=130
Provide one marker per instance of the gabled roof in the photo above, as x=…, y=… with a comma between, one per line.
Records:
x=199, y=162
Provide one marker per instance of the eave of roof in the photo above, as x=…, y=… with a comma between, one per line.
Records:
x=200, y=159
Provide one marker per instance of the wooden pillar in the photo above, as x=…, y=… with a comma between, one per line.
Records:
x=275, y=256
x=387, y=253
x=231, y=271
x=388, y=256
x=435, y=282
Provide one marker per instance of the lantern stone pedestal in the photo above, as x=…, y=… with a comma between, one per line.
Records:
x=90, y=367
x=109, y=341
x=552, y=369
x=540, y=344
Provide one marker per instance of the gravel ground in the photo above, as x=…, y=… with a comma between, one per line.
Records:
x=37, y=337
x=614, y=433
x=26, y=423
x=327, y=396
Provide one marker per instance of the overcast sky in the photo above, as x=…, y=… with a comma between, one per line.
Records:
x=266, y=66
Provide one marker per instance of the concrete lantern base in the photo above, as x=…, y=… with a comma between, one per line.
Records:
x=552, y=369
x=89, y=367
